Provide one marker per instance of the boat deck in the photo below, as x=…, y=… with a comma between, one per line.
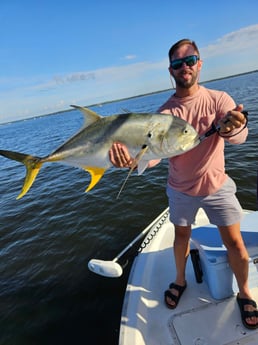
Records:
x=199, y=319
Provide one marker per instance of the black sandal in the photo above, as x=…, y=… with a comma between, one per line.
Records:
x=242, y=302
x=173, y=297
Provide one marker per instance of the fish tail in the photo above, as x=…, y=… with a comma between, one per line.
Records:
x=32, y=164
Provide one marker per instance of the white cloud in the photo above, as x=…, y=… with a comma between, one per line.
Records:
x=233, y=53
x=74, y=77
x=108, y=75
x=130, y=57
x=236, y=41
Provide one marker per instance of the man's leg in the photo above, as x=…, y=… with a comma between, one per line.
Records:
x=181, y=253
x=238, y=259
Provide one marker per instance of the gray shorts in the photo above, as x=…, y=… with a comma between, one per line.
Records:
x=222, y=207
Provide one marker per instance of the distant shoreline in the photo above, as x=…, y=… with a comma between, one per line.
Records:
x=126, y=98
x=150, y=93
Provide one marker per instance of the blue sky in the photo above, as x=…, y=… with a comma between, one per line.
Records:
x=56, y=53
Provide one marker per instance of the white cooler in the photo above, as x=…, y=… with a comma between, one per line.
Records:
x=214, y=260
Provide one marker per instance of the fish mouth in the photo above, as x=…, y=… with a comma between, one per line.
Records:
x=197, y=140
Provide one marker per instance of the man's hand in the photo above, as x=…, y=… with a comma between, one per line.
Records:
x=233, y=119
x=119, y=156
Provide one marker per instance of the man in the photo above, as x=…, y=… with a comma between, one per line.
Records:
x=197, y=178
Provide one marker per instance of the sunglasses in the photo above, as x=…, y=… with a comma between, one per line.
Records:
x=190, y=61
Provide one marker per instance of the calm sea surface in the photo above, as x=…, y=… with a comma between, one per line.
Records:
x=47, y=294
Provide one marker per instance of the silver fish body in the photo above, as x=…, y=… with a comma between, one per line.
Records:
x=165, y=135
x=156, y=135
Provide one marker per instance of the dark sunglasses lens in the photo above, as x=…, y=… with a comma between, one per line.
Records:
x=191, y=60
x=177, y=64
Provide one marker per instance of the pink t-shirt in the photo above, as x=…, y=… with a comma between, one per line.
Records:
x=201, y=171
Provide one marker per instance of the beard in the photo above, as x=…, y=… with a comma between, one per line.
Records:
x=185, y=83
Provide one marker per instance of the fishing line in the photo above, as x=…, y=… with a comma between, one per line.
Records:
x=171, y=80
x=134, y=165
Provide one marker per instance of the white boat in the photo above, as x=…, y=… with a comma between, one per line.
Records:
x=207, y=313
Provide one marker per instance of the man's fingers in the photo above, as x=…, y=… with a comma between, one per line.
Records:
x=119, y=156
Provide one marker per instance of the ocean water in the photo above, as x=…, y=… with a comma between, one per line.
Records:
x=47, y=294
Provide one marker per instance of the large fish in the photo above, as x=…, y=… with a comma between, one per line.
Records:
x=147, y=136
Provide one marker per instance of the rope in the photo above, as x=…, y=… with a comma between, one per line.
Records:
x=153, y=232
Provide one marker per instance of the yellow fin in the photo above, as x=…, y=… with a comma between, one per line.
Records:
x=32, y=172
x=33, y=165
x=96, y=174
